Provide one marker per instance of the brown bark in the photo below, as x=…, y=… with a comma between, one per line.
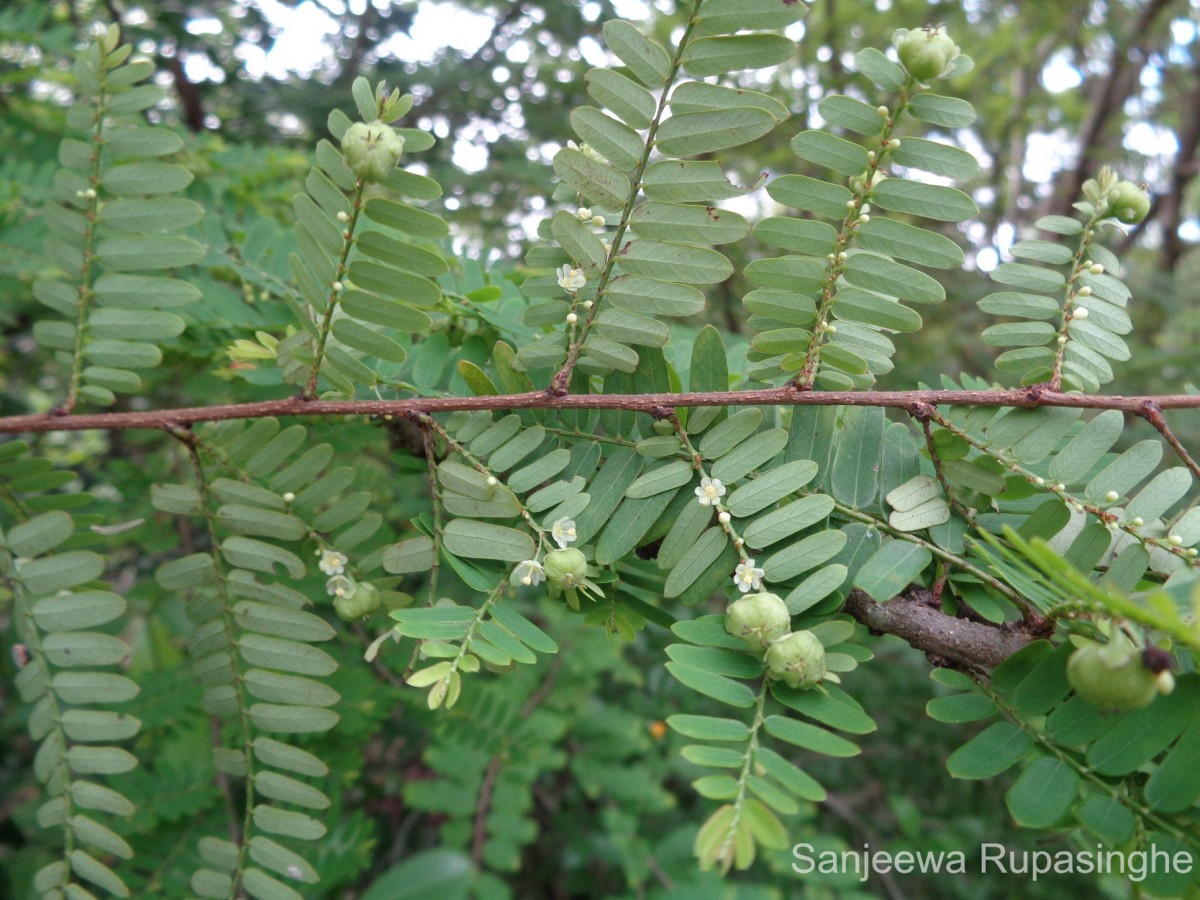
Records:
x=652, y=404
x=917, y=618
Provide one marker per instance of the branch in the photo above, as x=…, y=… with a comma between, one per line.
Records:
x=1152, y=413
x=917, y=619
x=1024, y=398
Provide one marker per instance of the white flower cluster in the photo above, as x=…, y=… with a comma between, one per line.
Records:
x=747, y=576
x=333, y=564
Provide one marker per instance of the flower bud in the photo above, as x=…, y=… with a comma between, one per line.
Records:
x=758, y=619
x=371, y=150
x=565, y=568
x=798, y=659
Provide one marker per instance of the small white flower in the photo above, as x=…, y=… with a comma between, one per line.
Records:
x=723, y=517
x=491, y=481
x=747, y=576
x=864, y=219
x=1080, y=312
x=572, y=318
x=1039, y=480
x=571, y=280
x=584, y=214
x=332, y=562
x=288, y=497
x=1084, y=291
x=1138, y=522
x=1096, y=269
x=710, y=491
x=563, y=532
x=529, y=572
x=587, y=304
x=341, y=586
x=1174, y=540
x=1111, y=496
x=598, y=221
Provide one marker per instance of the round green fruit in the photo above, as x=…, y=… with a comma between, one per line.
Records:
x=372, y=149
x=1112, y=675
x=565, y=568
x=758, y=619
x=926, y=52
x=797, y=659
x=1129, y=203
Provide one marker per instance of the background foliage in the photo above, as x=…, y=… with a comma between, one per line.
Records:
x=562, y=777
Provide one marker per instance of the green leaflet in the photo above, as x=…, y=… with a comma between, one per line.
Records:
x=646, y=59
x=700, y=96
x=891, y=569
x=684, y=262
x=685, y=181
x=850, y=113
x=728, y=53
x=932, y=201
x=832, y=152
x=904, y=241
x=811, y=195
x=854, y=477
x=690, y=134
x=727, y=16
x=617, y=142
x=629, y=100
x=597, y=182
x=689, y=223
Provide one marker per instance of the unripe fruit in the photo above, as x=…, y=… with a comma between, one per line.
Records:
x=371, y=150
x=1129, y=203
x=565, y=568
x=662, y=426
x=1112, y=675
x=797, y=659
x=758, y=619
x=926, y=52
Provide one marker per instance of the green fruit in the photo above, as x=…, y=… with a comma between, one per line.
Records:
x=1112, y=675
x=797, y=659
x=565, y=568
x=1129, y=203
x=371, y=150
x=758, y=619
x=926, y=52
x=352, y=607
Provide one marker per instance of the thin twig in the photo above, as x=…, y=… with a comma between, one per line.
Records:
x=1152, y=413
x=1024, y=398
x=923, y=414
